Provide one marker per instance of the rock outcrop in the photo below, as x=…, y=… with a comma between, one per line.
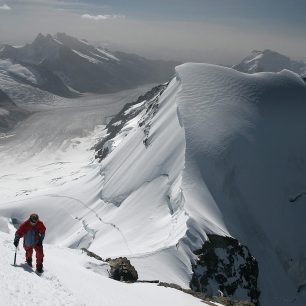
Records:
x=147, y=103
x=121, y=269
x=224, y=265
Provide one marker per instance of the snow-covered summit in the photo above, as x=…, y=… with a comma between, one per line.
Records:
x=269, y=61
x=84, y=47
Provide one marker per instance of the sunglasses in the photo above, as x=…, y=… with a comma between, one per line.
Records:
x=33, y=222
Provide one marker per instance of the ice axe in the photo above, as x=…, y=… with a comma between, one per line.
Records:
x=15, y=256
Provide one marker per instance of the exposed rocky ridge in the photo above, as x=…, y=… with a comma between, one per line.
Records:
x=203, y=296
x=10, y=113
x=92, y=254
x=227, y=266
x=122, y=270
x=147, y=103
x=86, y=68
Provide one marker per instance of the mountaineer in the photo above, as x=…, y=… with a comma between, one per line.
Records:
x=33, y=233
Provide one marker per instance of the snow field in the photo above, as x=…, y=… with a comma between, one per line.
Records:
x=72, y=278
x=20, y=285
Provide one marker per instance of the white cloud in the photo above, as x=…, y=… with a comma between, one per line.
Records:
x=102, y=17
x=5, y=7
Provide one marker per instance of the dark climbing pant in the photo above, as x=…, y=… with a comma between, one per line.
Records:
x=39, y=255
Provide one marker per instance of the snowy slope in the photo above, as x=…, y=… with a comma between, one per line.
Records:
x=214, y=151
x=72, y=278
x=269, y=61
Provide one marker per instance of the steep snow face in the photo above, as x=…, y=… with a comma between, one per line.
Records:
x=269, y=61
x=141, y=176
x=245, y=158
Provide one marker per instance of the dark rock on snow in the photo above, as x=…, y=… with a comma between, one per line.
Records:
x=121, y=269
x=226, y=265
x=203, y=296
x=128, y=112
x=91, y=254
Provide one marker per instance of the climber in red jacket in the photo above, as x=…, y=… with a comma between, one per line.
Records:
x=33, y=233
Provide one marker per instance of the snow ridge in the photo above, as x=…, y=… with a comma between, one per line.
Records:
x=229, y=120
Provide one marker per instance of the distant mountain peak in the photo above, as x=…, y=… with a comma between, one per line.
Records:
x=266, y=51
x=62, y=36
x=270, y=53
x=74, y=43
x=40, y=38
x=269, y=61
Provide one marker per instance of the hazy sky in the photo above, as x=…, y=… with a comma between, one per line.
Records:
x=217, y=31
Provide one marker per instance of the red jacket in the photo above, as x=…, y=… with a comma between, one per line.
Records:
x=31, y=233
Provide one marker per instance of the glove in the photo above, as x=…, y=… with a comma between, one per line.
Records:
x=40, y=240
x=16, y=241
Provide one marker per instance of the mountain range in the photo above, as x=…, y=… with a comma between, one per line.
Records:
x=64, y=65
